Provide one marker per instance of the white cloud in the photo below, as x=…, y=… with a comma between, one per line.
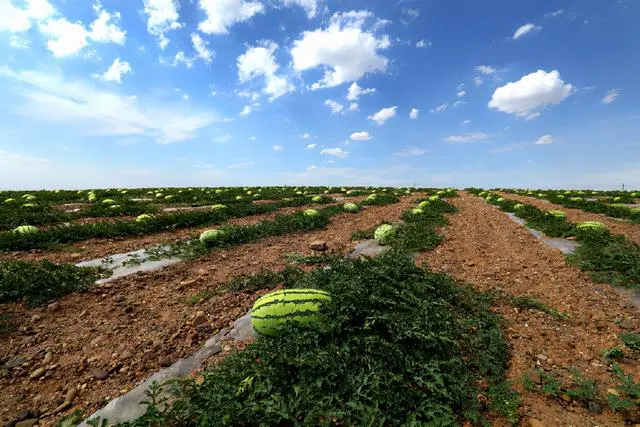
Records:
x=222, y=14
x=360, y=136
x=461, y=93
x=180, y=58
x=411, y=151
x=253, y=138
x=254, y=96
x=485, y=69
x=478, y=81
x=526, y=29
x=247, y=109
x=67, y=38
x=465, y=122
x=312, y=167
x=278, y=148
x=457, y=103
x=611, y=96
x=201, y=47
x=336, y=107
x=439, y=109
x=544, y=139
x=531, y=92
x=162, y=16
x=19, y=41
x=421, y=44
x=306, y=135
x=309, y=6
x=338, y=152
x=353, y=106
x=556, y=13
x=115, y=72
x=52, y=98
x=355, y=91
x=223, y=138
x=345, y=49
x=241, y=165
x=383, y=115
x=311, y=146
x=413, y=114
x=16, y=20
x=260, y=61
x=469, y=137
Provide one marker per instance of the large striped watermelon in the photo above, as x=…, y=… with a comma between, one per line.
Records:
x=273, y=310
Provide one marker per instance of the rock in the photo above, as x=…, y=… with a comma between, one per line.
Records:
x=37, y=374
x=626, y=324
x=99, y=374
x=15, y=362
x=318, y=245
x=565, y=397
x=204, y=327
x=199, y=320
x=35, y=318
x=125, y=355
x=28, y=423
x=595, y=408
x=164, y=362
x=54, y=306
x=62, y=407
x=71, y=394
x=613, y=391
x=532, y=422
x=119, y=298
x=541, y=357
x=200, y=313
x=47, y=358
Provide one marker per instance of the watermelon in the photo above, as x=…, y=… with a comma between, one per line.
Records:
x=275, y=309
x=109, y=202
x=591, y=225
x=416, y=211
x=311, y=212
x=238, y=197
x=25, y=229
x=500, y=199
x=10, y=200
x=518, y=206
x=144, y=218
x=423, y=204
x=316, y=199
x=209, y=237
x=557, y=214
x=617, y=199
x=372, y=198
x=218, y=207
x=434, y=198
x=351, y=207
x=384, y=234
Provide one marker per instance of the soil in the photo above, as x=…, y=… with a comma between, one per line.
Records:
x=99, y=248
x=615, y=225
x=108, y=339
x=486, y=249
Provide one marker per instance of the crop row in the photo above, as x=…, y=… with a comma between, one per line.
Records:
x=615, y=196
x=608, y=257
x=614, y=207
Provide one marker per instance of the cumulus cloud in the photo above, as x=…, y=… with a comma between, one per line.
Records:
x=346, y=49
x=306, y=135
x=413, y=114
x=309, y=6
x=411, y=151
x=338, y=152
x=162, y=17
x=355, y=91
x=439, y=109
x=465, y=122
x=259, y=61
x=360, y=136
x=611, y=96
x=248, y=109
x=461, y=93
x=526, y=29
x=311, y=146
x=278, y=148
x=383, y=115
x=115, y=72
x=353, y=106
x=485, y=69
x=469, y=137
x=16, y=20
x=201, y=47
x=478, y=81
x=49, y=97
x=544, y=139
x=531, y=92
x=336, y=107
x=222, y=14
x=421, y=44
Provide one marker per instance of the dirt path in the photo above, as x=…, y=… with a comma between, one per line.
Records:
x=485, y=248
x=127, y=329
x=616, y=226
x=99, y=248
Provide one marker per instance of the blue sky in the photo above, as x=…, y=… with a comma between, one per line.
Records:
x=271, y=92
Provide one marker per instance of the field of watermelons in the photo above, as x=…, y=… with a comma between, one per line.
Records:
x=306, y=306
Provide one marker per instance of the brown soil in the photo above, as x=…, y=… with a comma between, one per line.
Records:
x=483, y=247
x=131, y=327
x=99, y=248
x=616, y=226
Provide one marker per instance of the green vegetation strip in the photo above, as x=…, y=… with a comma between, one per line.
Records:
x=609, y=258
x=10, y=241
x=39, y=282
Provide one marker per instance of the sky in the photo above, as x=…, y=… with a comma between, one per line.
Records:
x=455, y=93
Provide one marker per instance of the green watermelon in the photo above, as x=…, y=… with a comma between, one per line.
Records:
x=557, y=214
x=591, y=225
x=144, y=218
x=210, y=237
x=25, y=229
x=275, y=309
x=311, y=212
x=384, y=234
x=351, y=207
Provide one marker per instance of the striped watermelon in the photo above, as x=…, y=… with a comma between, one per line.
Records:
x=273, y=310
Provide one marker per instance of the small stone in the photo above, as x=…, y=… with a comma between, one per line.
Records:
x=594, y=407
x=54, y=306
x=541, y=357
x=47, y=358
x=200, y=313
x=96, y=341
x=188, y=282
x=532, y=422
x=227, y=348
x=119, y=298
x=35, y=318
x=613, y=391
x=164, y=362
x=15, y=362
x=626, y=324
x=83, y=313
x=28, y=423
x=565, y=397
x=125, y=355
x=71, y=394
x=199, y=320
x=62, y=407
x=99, y=374
x=37, y=374
x=318, y=245
x=204, y=327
